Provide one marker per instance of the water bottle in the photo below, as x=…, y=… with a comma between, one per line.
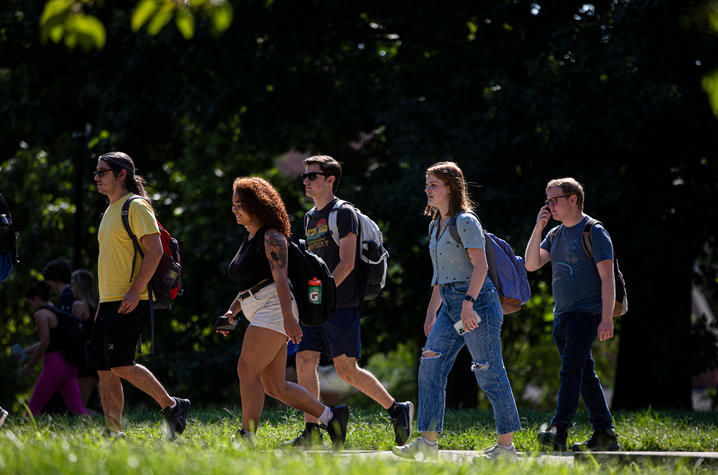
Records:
x=315, y=291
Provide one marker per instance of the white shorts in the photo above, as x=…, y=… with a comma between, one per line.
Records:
x=263, y=309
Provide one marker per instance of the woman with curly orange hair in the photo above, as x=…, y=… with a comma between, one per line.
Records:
x=265, y=298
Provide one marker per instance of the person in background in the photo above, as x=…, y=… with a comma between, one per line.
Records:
x=57, y=373
x=57, y=273
x=84, y=290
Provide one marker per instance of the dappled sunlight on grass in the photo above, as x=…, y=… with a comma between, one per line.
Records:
x=67, y=445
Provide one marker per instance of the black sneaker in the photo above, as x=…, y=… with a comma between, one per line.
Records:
x=402, y=423
x=553, y=437
x=176, y=417
x=310, y=436
x=337, y=427
x=244, y=436
x=601, y=440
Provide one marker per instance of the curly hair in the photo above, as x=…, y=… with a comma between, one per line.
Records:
x=262, y=202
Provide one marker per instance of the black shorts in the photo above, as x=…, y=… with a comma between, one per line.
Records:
x=114, y=336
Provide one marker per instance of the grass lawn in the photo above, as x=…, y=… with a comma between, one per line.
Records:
x=65, y=445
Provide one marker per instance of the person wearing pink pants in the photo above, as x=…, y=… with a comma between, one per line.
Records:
x=57, y=374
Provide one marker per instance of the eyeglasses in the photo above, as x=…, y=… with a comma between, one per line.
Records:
x=101, y=172
x=311, y=175
x=554, y=200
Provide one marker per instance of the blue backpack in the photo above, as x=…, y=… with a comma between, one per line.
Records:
x=506, y=270
x=8, y=251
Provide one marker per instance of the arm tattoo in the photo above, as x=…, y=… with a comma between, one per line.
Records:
x=276, y=249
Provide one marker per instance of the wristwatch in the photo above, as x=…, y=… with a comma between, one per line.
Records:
x=469, y=298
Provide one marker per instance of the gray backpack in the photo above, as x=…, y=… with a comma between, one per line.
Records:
x=371, y=255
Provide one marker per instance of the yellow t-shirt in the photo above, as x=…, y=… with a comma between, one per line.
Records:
x=116, y=248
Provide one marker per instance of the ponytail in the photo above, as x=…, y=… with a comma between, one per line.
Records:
x=121, y=161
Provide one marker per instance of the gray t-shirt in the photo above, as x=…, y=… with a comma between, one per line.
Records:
x=320, y=242
x=575, y=284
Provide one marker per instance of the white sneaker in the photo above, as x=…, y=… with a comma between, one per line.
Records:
x=420, y=449
x=3, y=415
x=499, y=452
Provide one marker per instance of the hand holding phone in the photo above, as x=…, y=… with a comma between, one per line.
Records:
x=225, y=324
x=543, y=217
x=18, y=352
x=459, y=326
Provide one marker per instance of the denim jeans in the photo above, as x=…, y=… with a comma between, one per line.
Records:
x=484, y=344
x=574, y=334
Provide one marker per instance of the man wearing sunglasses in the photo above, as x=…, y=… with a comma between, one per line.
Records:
x=124, y=299
x=340, y=337
x=584, y=294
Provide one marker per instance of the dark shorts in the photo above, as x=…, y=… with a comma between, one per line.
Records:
x=341, y=335
x=114, y=336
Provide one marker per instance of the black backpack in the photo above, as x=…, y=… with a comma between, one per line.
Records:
x=621, y=304
x=8, y=251
x=73, y=340
x=303, y=266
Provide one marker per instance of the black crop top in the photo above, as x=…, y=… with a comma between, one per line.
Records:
x=250, y=266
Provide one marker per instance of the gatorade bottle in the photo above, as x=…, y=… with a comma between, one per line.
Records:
x=315, y=291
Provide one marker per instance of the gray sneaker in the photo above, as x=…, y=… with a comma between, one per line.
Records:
x=420, y=449
x=176, y=417
x=498, y=452
x=3, y=415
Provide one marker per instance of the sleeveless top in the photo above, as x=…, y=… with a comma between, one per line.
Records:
x=55, y=337
x=250, y=265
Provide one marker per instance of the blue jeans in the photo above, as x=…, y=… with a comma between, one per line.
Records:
x=574, y=334
x=484, y=344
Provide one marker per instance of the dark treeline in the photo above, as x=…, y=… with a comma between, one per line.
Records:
x=517, y=92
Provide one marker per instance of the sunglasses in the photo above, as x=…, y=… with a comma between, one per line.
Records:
x=311, y=175
x=101, y=172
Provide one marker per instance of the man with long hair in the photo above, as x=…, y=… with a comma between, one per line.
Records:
x=124, y=298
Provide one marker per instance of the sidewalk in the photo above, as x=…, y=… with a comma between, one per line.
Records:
x=694, y=459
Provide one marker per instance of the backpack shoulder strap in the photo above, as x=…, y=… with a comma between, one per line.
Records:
x=332, y=223
x=552, y=234
x=490, y=251
x=126, y=223
x=452, y=225
x=307, y=216
x=586, y=236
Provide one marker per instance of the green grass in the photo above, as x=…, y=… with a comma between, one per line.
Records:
x=66, y=445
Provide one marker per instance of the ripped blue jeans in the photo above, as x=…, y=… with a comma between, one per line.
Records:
x=484, y=344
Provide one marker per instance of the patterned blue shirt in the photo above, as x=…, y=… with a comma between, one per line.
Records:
x=450, y=260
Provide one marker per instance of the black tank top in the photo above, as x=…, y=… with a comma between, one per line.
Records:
x=55, y=337
x=250, y=266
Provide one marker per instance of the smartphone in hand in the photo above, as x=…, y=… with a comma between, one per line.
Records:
x=18, y=352
x=459, y=326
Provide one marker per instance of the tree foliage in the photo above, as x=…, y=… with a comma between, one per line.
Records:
x=614, y=93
